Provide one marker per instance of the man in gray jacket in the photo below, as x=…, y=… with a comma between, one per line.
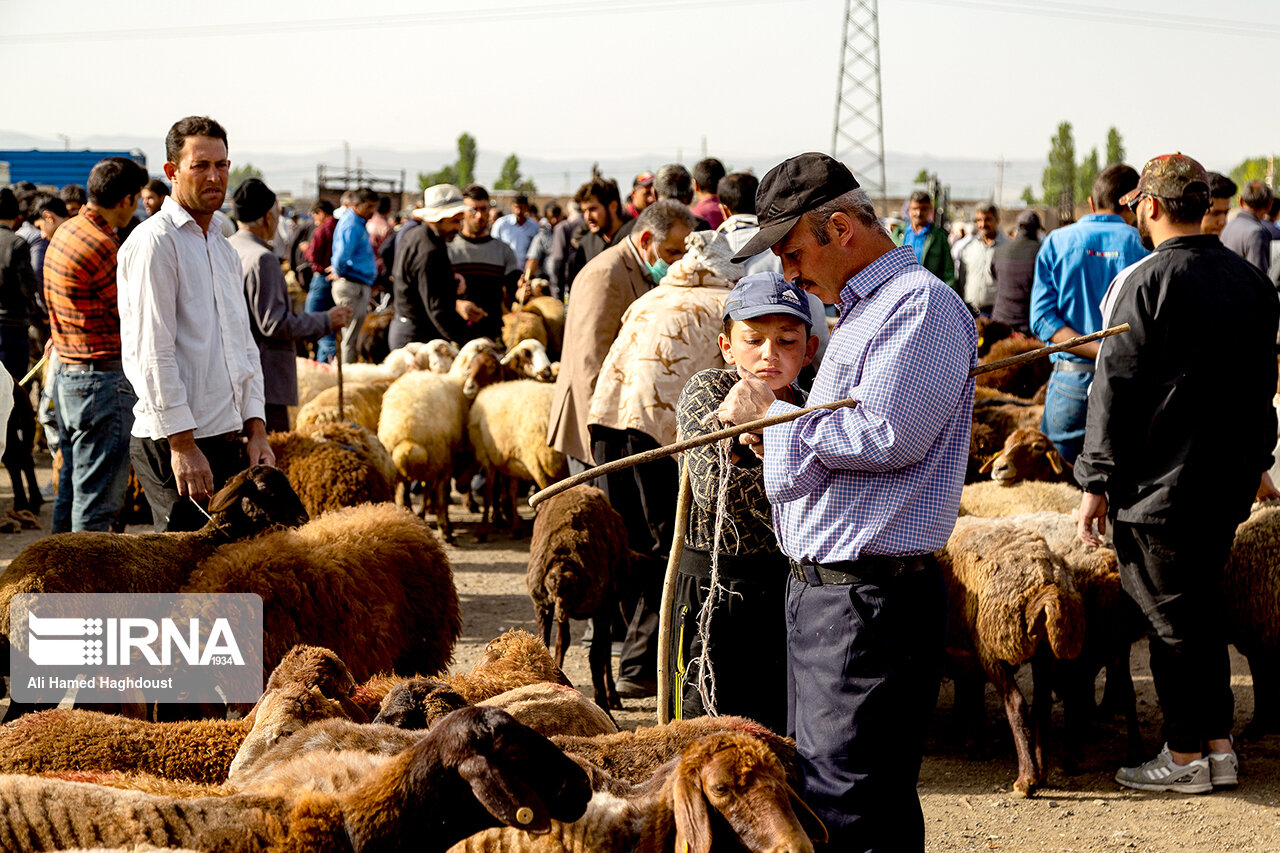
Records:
x=275, y=326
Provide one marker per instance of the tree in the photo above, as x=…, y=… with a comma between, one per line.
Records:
x=1253, y=169
x=1029, y=197
x=241, y=173
x=460, y=173
x=1115, y=147
x=1060, y=175
x=1086, y=174
x=510, y=178
x=922, y=177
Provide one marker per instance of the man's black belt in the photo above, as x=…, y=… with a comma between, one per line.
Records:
x=100, y=365
x=1066, y=366
x=872, y=568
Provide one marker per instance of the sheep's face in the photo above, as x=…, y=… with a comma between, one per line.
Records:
x=255, y=499
x=418, y=703
x=1028, y=454
x=279, y=715
x=484, y=370
x=740, y=778
x=529, y=359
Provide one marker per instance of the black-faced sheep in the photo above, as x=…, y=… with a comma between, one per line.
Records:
x=1009, y=597
x=417, y=703
x=1021, y=380
x=476, y=769
x=327, y=475
x=371, y=582
x=1028, y=454
x=578, y=561
x=254, y=500
x=733, y=776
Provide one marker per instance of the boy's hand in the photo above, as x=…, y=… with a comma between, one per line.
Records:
x=749, y=400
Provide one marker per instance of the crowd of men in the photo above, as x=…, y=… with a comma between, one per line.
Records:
x=174, y=339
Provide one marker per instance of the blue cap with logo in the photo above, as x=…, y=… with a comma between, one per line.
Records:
x=764, y=293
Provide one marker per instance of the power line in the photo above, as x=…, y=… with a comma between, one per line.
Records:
x=417, y=19
x=1072, y=11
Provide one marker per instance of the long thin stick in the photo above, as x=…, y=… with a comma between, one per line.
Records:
x=669, y=596
x=337, y=339
x=773, y=420
x=44, y=359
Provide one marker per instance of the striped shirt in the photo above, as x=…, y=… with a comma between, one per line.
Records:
x=883, y=477
x=80, y=289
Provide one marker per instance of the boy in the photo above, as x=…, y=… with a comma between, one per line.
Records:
x=767, y=332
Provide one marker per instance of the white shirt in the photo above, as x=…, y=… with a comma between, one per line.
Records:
x=184, y=329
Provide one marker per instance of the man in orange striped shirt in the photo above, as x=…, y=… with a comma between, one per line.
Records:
x=94, y=400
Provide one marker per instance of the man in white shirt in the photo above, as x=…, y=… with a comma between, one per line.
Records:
x=186, y=342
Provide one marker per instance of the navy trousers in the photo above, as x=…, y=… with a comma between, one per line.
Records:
x=864, y=662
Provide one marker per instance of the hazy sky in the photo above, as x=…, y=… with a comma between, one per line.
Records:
x=961, y=78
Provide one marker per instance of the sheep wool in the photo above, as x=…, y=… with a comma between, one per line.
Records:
x=361, y=404
x=554, y=709
x=993, y=500
x=327, y=475
x=507, y=426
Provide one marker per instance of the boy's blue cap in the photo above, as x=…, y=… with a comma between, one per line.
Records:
x=764, y=293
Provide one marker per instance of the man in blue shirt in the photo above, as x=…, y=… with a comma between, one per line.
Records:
x=517, y=229
x=354, y=266
x=1073, y=269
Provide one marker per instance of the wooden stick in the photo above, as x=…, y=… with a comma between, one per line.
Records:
x=773, y=420
x=44, y=359
x=669, y=596
x=337, y=339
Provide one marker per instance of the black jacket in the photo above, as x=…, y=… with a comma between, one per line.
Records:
x=17, y=279
x=1181, y=424
x=1014, y=266
x=424, y=291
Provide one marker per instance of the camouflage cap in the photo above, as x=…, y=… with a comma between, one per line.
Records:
x=1169, y=176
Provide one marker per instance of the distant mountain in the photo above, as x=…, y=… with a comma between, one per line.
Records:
x=292, y=170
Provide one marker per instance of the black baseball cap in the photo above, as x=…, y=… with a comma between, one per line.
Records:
x=791, y=189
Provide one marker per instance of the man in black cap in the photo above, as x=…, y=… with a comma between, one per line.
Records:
x=274, y=325
x=862, y=497
x=1156, y=463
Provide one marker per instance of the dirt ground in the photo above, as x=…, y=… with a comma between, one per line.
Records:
x=967, y=803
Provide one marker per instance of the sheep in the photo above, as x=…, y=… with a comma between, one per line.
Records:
x=436, y=355
x=327, y=475
x=551, y=310
x=309, y=684
x=417, y=703
x=15, y=454
x=1021, y=380
x=1028, y=454
x=731, y=775
x=982, y=447
x=371, y=339
x=529, y=359
x=1004, y=414
x=314, y=376
x=522, y=325
x=361, y=404
x=370, y=582
x=252, y=501
x=635, y=756
x=507, y=427
x=423, y=425
x=476, y=769
x=270, y=746
x=1009, y=596
x=354, y=436
x=989, y=332
x=1250, y=585
x=554, y=709
x=992, y=499
x=578, y=562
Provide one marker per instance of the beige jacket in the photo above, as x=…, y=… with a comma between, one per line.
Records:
x=668, y=335
x=601, y=293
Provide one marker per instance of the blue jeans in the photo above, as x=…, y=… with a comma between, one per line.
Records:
x=320, y=298
x=95, y=418
x=15, y=350
x=1066, y=407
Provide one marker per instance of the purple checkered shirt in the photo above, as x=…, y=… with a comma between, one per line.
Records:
x=883, y=477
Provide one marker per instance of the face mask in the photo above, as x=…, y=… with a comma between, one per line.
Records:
x=657, y=270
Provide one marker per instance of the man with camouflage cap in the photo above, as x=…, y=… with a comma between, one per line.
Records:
x=1202, y=327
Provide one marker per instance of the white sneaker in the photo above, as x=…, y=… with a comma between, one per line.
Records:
x=1224, y=769
x=1162, y=774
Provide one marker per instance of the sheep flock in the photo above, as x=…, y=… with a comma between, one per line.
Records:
x=367, y=737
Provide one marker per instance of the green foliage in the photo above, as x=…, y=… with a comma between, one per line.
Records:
x=240, y=173
x=1086, y=174
x=1029, y=197
x=1253, y=169
x=1060, y=175
x=510, y=178
x=1115, y=147
x=459, y=173
x=922, y=177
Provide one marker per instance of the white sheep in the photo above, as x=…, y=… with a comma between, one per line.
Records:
x=991, y=499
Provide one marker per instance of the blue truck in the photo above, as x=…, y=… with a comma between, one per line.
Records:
x=57, y=168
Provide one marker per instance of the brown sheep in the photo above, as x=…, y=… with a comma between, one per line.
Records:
x=551, y=310
x=1251, y=589
x=522, y=325
x=990, y=332
x=417, y=703
x=732, y=775
x=371, y=339
x=636, y=756
x=454, y=782
x=554, y=709
x=371, y=582
x=1021, y=380
x=272, y=744
x=361, y=404
x=982, y=447
x=1008, y=596
x=355, y=436
x=1006, y=414
x=1028, y=454
x=578, y=562
x=990, y=499
x=326, y=475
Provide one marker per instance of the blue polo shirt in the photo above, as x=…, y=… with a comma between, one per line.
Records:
x=352, y=251
x=915, y=239
x=1073, y=268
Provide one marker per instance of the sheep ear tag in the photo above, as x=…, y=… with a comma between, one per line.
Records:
x=505, y=796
